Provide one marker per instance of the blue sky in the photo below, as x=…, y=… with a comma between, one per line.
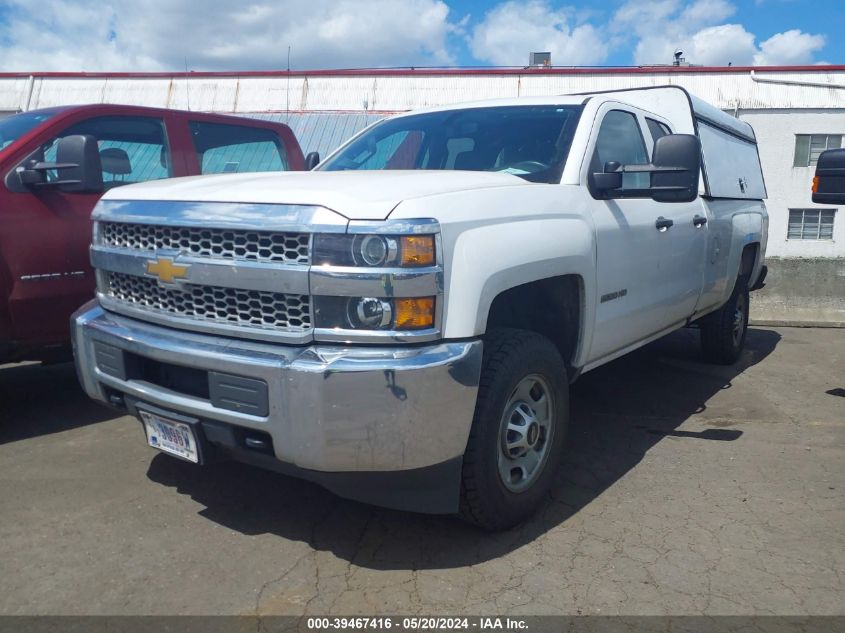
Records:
x=764, y=18
x=164, y=35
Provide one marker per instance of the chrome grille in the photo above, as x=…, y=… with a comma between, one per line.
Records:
x=251, y=308
x=257, y=246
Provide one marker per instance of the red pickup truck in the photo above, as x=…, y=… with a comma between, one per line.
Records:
x=54, y=166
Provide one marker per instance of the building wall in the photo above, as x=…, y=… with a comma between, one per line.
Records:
x=394, y=90
x=789, y=187
x=807, y=278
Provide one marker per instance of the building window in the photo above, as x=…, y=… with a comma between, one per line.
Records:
x=810, y=224
x=809, y=146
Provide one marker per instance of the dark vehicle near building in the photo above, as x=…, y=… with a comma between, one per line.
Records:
x=55, y=164
x=829, y=181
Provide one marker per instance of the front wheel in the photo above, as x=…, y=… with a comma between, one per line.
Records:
x=518, y=431
x=723, y=332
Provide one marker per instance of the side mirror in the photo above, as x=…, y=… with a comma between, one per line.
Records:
x=829, y=181
x=312, y=159
x=674, y=172
x=77, y=160
x=82, y=151
x=677, y=166
x=610, y=178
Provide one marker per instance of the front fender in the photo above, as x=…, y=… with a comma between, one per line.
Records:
x=487, y=260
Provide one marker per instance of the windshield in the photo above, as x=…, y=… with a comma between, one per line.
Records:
x=15, y=126
x=527, y=141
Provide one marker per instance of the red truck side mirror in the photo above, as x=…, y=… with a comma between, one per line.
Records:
x=312, y=160
x=77, y=161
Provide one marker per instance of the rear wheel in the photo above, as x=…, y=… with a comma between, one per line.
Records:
x=723, y=332
x=518, y=431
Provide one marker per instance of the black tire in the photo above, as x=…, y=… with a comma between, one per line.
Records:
x=723, y=332
x=512, y=357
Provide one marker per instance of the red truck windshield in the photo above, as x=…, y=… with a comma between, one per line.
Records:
x=531, y=142
x=15, y=126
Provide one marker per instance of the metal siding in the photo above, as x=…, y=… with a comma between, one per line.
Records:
x=13, y=94
x=408, y=93
x=338, y=93
x=209, y=94
x=256, y=94
x=321, y=131
x=144, y=92
x=397, y=91
x=49, y=92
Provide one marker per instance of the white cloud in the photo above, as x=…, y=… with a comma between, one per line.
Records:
x=710, y=46
x=721, y=45
x=790, y=47
x=117, y=35
x=222, y=34
x=703, y=12
x=699, y=29
x=513, y=29
x=640, y=15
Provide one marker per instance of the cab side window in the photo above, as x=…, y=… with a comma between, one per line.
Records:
x=226, y=149
x=657, y=129
x=619, y=139
x=132, y=149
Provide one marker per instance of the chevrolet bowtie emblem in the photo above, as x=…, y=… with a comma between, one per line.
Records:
x=166, y=270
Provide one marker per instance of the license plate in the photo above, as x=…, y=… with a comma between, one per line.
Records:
x=170, y=436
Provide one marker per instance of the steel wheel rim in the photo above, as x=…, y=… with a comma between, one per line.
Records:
x=526, y=431
x=739, y=320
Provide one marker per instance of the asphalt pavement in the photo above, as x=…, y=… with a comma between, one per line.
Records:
x=686, y=489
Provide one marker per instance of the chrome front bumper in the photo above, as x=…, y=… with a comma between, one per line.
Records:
x=331, y=408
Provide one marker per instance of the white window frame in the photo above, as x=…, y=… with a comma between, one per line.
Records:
x=806, y=157
x=805, y=232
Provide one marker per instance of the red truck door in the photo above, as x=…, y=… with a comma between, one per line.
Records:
x=45, y=233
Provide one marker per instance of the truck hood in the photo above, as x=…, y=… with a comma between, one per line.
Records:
x=357, y=195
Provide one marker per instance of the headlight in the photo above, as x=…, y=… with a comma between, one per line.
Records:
x=374, y=251
x=373, y=313
x=369, y=313
x=378, y=282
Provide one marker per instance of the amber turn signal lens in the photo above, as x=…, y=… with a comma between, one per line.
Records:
x=414, y=314
x=418, y=250
x=815, y=184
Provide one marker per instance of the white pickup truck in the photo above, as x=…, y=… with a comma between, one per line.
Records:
x=401, y=324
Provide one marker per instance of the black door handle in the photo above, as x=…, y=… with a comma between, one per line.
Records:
x=699, y=221
x=663, y=224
